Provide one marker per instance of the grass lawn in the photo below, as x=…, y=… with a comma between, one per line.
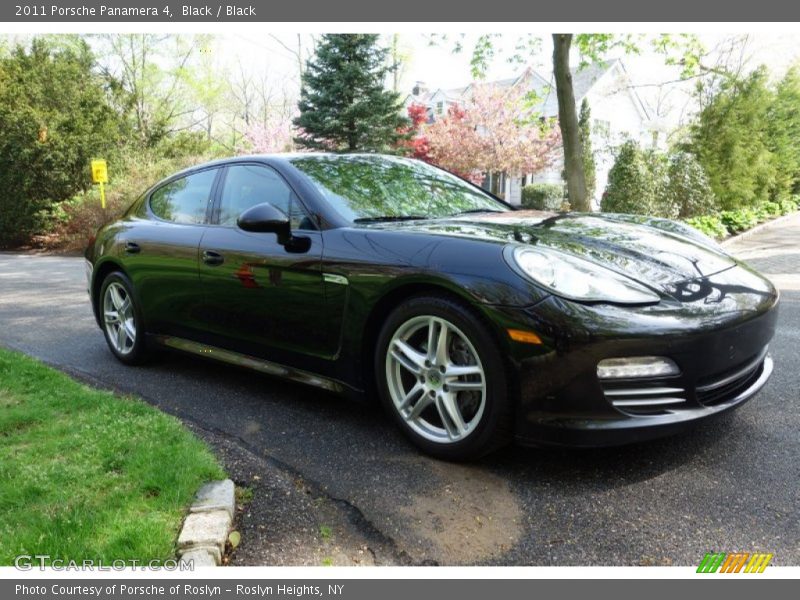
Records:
x=85, y=474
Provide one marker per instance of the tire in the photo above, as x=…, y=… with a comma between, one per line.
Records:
x=121, y=319
x=452, y=401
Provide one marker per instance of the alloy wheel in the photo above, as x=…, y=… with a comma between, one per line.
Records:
x=436, y=380
x=118, y=315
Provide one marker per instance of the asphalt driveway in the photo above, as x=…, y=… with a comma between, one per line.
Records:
x=731, y=485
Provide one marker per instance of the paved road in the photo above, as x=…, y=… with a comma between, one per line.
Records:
x=731, y=485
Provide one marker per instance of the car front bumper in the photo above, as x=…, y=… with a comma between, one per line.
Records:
x=720, y=348
x=626, y=429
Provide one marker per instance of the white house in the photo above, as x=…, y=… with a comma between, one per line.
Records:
x=618, y=114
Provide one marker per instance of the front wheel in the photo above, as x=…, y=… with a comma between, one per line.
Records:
x=441, y=377
x=121, y=319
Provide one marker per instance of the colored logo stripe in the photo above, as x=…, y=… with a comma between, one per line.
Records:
x=733, y=563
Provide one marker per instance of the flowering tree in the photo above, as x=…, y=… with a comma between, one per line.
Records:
x=274, y=135
x=495, y=131
x=413, y=140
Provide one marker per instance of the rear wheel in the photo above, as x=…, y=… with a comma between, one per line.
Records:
x=441, y=378
x=121, y=319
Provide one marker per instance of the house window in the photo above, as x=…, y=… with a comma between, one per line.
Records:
x=495, y=183
x=440, y=107
x=602, y=128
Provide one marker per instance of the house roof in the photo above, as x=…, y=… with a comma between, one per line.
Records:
x=583, y=80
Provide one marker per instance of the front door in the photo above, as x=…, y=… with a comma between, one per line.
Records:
x=262, y=298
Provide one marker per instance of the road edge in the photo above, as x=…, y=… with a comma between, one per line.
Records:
x=758, y=228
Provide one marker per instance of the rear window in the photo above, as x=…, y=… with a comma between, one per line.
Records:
x=184, y=200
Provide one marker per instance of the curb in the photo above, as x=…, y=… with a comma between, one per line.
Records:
x=205, y=529
x=746, y=234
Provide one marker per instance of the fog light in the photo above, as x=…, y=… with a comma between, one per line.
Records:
x=636, y=366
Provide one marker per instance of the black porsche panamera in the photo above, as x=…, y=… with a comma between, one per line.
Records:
x=472, y=322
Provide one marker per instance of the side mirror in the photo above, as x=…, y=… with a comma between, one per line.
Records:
x=265, y=218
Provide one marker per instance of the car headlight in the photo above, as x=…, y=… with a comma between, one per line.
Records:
x=577, y=279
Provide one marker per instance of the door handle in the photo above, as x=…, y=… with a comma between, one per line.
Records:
x=132, y=248
x=213, y=258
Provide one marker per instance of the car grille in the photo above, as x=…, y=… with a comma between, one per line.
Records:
x=648, y=397
x=720, y=388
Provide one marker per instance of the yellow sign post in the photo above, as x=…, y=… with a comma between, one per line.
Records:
x=100, y=175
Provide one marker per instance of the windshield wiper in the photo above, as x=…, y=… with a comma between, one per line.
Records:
x=389, y=218
x=477, y=210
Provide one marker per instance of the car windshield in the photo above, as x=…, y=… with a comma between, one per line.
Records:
x=388, y=188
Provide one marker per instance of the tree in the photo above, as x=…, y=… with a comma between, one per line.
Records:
x=589, y=166
x=494, y=132
x=784, y=134
x=274, y=135
x=730, y=139
x=54, y=118
x=150, y=74
x=415, y=143
x=683, y=50
x=343, y=103
x=568, y=123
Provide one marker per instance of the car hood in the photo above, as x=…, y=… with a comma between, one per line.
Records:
x=657, y=252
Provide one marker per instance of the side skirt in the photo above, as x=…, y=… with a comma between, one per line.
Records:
x=250, y=362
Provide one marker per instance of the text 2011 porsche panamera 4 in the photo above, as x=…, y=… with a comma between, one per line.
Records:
x=474, y=323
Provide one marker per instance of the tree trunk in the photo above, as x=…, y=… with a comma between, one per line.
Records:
x=568, y=122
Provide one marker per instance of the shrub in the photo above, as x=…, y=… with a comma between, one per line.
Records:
x=788, y=205
x=688, y=187
x=543, y=196
x=637, y=184
x=762, y=214
x=773, y=209
x=739, y=220
x=54, y=118
x=710, y=225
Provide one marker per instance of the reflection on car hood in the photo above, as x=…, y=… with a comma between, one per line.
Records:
x=654, y=251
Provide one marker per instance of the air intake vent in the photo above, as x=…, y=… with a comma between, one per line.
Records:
x=728, y=385
x=645, y=400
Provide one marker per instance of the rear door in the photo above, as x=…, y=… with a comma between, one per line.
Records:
x=263, y=298
x=160, y=253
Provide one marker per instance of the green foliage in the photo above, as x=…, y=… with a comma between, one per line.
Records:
x=637, y=184
x=731, y=222
x=343, y=104
x=771, y=209
x=543, y=196
x=710, y=225
x=731, y=140
x=783, y=128
x=585, y=130
x=54, y=118
x=789, y=204
x=688, y=187
x=182, y=144
x=739, y=220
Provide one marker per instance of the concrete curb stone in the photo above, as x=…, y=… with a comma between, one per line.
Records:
x=205, y=530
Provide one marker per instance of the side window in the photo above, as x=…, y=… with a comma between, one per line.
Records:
x=184, y=200
x=248, y=185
